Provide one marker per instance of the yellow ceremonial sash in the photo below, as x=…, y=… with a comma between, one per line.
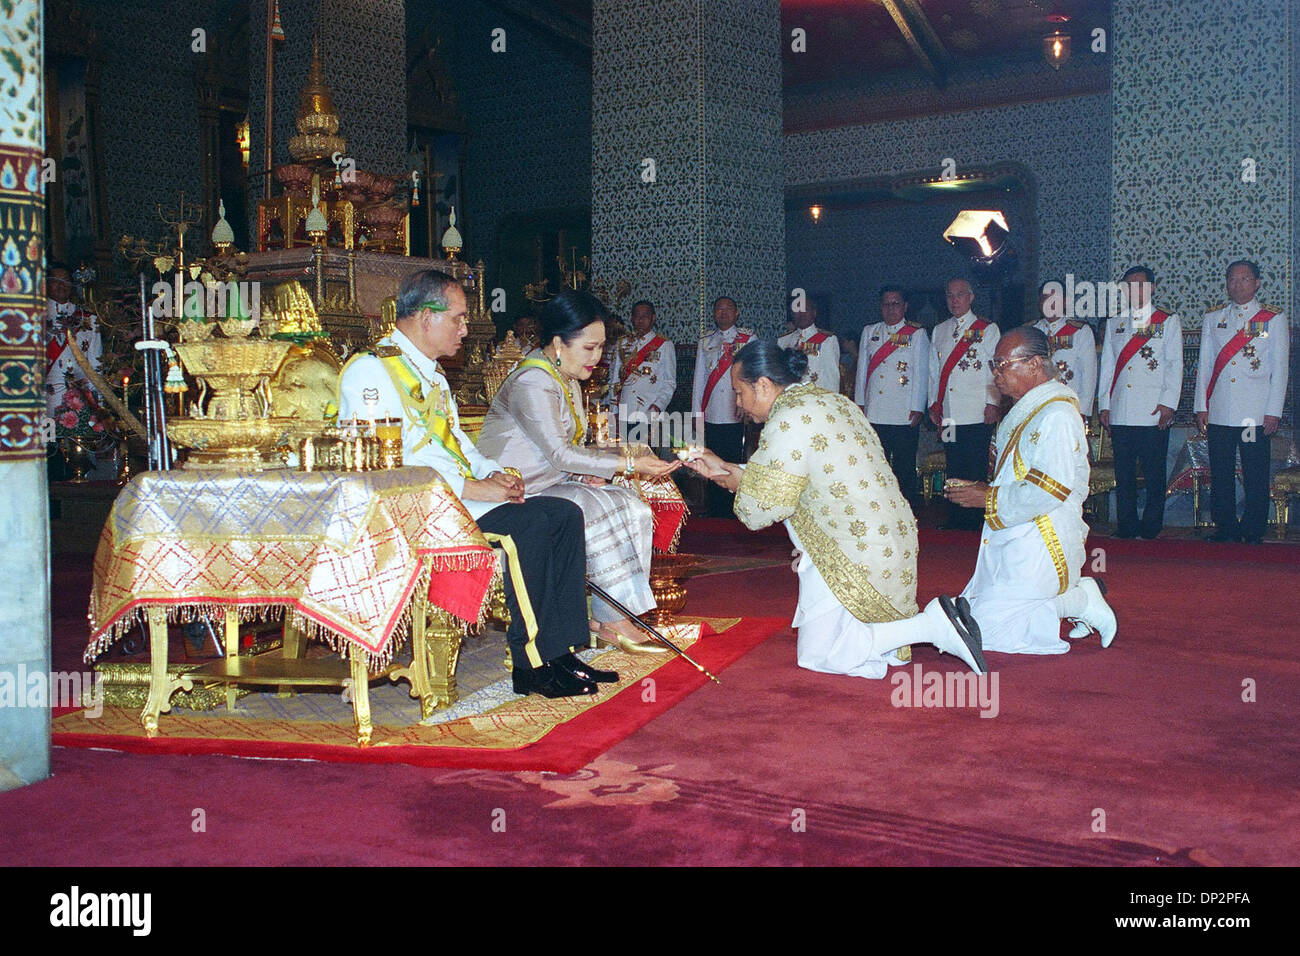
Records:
x=425, y=410
x=578, y=430
x=1013, y=440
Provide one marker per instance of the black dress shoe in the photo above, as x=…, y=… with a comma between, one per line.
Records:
x=1221, y=536
x=1150, y=536
x=1252, y=540
x=550, y=681
x=571, y=663
x=963, y=623
x=1124, y=534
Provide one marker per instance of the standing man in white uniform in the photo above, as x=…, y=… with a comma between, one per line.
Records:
x=1240, y=388
x=644, y=369
x=892, y=375
x=1138, y=389
x=963, y=399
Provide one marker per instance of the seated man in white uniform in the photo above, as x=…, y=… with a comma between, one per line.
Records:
x=1027, y=576
x=819, y=467
x=547, y=533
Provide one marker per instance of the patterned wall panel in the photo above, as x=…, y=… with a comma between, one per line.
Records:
x=1198, y=89
x=1064, y=143
x=744, y=180
x=22, y=205
x=364, y=44
x=149, y=109
x=696, y=88
x=528, y=114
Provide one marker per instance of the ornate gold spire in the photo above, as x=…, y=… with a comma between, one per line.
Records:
x=317, y=119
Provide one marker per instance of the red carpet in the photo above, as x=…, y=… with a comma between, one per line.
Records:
x=1175, y=746
x=571, y=745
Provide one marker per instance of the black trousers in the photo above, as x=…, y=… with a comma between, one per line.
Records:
x=899, y=442
x=967, y=456
x=1150, y=446
x=728, y=443
x=551, y=542
x=1225, y=442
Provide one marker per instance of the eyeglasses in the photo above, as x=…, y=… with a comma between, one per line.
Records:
x=999, y=364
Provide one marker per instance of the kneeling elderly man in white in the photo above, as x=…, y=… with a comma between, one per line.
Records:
x=1028, y=574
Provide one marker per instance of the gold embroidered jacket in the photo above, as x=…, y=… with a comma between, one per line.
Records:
x=819, y=464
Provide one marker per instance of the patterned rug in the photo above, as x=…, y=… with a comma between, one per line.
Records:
x=490, y=727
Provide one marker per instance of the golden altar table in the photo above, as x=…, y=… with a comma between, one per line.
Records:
x=358, y=560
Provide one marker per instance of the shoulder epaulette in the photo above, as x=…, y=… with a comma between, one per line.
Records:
x=387, y=351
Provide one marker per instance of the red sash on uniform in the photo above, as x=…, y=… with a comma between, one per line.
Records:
x=1133, y=344
x=1232, y=348
x=723, y=365
x=955, y=355
x=818, y=339
x=887, y=349
x=637, y=359
x=53, y=349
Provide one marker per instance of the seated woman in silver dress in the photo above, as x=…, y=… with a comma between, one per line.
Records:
x=537, y=424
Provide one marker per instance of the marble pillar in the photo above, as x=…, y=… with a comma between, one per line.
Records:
x=24, y=508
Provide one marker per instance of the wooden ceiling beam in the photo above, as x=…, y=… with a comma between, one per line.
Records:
x=920, y=37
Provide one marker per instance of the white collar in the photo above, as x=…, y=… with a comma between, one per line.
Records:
x=968, y=314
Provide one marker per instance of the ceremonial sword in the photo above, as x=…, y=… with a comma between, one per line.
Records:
x=604, y=595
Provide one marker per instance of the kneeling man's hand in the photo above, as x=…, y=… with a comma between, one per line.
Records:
x=967, y=494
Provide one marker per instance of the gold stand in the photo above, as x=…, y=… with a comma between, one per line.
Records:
x=435, y=650
x=161, y=684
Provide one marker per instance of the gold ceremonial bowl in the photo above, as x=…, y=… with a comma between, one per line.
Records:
x=222, y=444
x=233, y=368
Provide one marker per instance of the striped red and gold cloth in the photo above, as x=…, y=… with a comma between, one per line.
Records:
x=342, y=552
x=666, y=505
